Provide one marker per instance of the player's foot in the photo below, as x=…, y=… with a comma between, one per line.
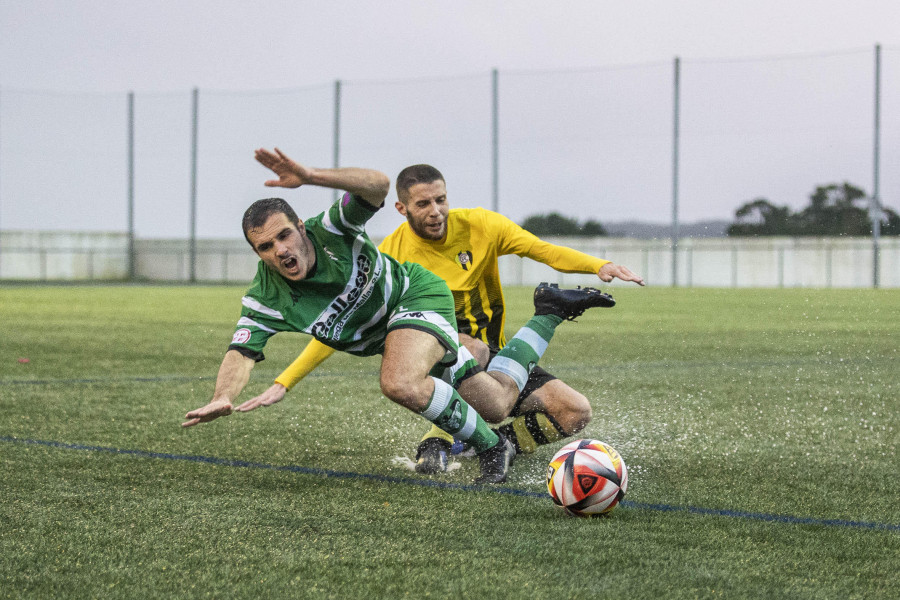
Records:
x=549, y=299
x=495, y=462
x=432, y=456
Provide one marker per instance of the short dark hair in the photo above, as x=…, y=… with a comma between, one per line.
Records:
x=255, y=216
x=410, y=176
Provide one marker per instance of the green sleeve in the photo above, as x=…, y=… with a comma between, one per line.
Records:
x=350, y=214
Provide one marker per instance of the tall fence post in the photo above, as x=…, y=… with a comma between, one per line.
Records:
x=192, y=252
x=131, y=257
x=337, y=130
x=676, y=97
x=1, y=201
x=875, y=206
x=495, y=141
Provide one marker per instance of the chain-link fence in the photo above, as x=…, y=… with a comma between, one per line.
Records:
x=671, y=142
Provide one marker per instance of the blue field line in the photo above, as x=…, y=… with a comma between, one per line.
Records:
x=225, y=462
x=763, y=516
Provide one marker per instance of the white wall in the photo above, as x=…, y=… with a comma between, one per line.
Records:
x=702, y=262
x=729, y=262
x=63, y=256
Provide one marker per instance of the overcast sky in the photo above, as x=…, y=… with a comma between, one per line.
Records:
x=759, y=118
x=163, y=45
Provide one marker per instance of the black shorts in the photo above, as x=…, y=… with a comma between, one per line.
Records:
x=536, y=379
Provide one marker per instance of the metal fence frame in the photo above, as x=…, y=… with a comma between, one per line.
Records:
x=675, y=242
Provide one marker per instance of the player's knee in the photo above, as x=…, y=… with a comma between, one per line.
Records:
x=412, y=394
x=571, y=410
x=580, y=411
x=479, y=349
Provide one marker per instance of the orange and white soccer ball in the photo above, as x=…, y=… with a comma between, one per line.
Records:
x=587, y=478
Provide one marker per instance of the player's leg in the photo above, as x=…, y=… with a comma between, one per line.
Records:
x=548, y=410
x=552, y=305
x=496, y=394
x=435, y=448
x=421, y=335
x=479, y=350
x=405, y=379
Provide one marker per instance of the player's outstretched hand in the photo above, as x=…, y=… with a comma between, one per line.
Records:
x=611, y=271
x=213, y=410
x=290, y=174
x=267, y=398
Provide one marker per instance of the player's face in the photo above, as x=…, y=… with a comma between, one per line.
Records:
x=426, y=209
x=284, y=246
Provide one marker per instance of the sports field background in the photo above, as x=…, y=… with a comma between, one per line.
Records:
x=760, y=428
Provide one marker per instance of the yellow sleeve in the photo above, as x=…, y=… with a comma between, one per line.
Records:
x=311, y=357
x=515, y=240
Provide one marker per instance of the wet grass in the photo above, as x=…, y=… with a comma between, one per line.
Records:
x=776, y=408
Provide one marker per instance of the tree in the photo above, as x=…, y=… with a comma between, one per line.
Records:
x=834, y=209
x=592, y=228
x=557, y=224
x=890, y=225
x=761, y=217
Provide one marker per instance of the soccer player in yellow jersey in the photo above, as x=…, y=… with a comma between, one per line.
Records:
x=462, y=246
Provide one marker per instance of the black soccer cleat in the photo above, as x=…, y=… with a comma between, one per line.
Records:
x=549, y=299
x=432, y=456
x=495, y=462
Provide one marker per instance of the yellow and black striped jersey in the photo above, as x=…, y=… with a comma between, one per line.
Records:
x=467, y=260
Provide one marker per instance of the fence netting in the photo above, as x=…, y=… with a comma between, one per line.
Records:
x=597, y=144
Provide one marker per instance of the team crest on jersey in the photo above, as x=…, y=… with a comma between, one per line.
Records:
x=241, y=336
x=330, y=254
x=464, y=259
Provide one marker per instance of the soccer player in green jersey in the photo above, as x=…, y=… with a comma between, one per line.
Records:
x=325, y=277
x=462, y=246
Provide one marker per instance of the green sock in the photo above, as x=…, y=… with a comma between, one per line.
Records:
x=448, y=411
x=522, y=352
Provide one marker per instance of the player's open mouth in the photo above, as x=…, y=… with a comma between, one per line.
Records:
x=290, y=264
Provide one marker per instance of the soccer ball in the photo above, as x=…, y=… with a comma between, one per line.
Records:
x=587, y=478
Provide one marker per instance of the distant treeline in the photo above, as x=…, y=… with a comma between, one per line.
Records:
x=834, y=209
x=557, y=224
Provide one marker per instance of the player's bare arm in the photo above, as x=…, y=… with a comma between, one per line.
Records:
x=234, y=373
x=368, y=184
x=611, y=271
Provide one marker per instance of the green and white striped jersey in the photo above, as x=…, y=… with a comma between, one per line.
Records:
x=344, y=304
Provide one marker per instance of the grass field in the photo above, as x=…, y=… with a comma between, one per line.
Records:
x=760, y=428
